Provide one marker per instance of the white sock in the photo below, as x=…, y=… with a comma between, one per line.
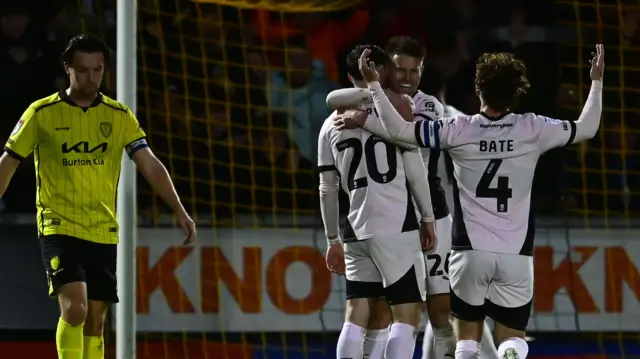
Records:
x=512, y=346
x=402, y=341
x=467, y=349
x=350, y=341
x=445, y=343
x=427, y=342
x=488, y=346
x=375, y=342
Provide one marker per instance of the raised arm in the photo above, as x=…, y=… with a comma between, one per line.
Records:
x=557, y=133
x=419, y=133
x=348, y=97
x=426, y=130
x=353, y=97
x=398, y=129
x=589, y=121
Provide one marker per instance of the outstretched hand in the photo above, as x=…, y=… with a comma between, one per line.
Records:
x=368, y=68
x=597, y=63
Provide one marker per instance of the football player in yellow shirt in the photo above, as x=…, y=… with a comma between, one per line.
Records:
x=78, y=137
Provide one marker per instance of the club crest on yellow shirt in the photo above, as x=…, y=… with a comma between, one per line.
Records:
x=17, y=128
x=105, y=129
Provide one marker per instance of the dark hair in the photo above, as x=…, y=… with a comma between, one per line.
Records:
x=404, y=45
x=84, y=43
x=377, y=55
x=501, y=80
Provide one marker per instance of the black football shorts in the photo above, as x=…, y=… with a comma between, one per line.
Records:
x=69, y=259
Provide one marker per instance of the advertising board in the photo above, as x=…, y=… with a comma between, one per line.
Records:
x=267, y=280
x=275, y=280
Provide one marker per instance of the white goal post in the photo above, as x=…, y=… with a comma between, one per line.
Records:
x=126, y=54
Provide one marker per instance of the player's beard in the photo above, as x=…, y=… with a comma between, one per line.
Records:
x=89, y=92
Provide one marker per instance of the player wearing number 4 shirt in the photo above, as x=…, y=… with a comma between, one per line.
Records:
x=494, y=155
x=384, y=258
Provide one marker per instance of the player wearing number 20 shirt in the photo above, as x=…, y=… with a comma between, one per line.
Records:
x=382, y=216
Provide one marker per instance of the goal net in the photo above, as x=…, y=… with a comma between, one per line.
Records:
x=226, y=94
x=595, y=274
x=232, y=104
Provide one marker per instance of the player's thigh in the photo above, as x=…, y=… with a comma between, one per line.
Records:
x=401, y=263
x=363, y=280
x=379, y=314
x=63, y=260
x=510, y=294
x=470, y=274
x=100, y=271
x=438, y=261
x=363, y=283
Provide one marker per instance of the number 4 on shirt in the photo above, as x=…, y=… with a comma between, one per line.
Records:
x=501, y=193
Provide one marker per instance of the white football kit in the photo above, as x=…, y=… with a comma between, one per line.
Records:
x=494, y=159
x=445, y=166
x=429, y=108
x=385, y=245
x=425, y=107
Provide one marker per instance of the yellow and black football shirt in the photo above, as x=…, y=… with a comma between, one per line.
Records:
x=77, y=154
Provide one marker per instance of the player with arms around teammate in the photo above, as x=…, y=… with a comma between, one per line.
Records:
x=383, y=257
x=78, y=136
x=494, y=155
x=408, y=55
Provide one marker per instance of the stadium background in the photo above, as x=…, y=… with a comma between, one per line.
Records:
x=232, y=98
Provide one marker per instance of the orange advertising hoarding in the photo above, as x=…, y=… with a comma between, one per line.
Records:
x=276, y=280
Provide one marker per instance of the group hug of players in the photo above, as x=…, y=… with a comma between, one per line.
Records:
x=377, y=147
x=401, y=248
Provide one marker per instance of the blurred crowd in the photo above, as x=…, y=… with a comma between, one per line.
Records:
x=232, y=100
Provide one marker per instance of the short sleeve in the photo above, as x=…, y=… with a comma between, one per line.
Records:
x=134, y=137
x=440, y=133
x=554, y=133
x=24, y=137
x=326, y=161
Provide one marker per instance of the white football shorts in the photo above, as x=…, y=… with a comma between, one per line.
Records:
x=506, y=280
x=438, y=260
x=387, y=260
